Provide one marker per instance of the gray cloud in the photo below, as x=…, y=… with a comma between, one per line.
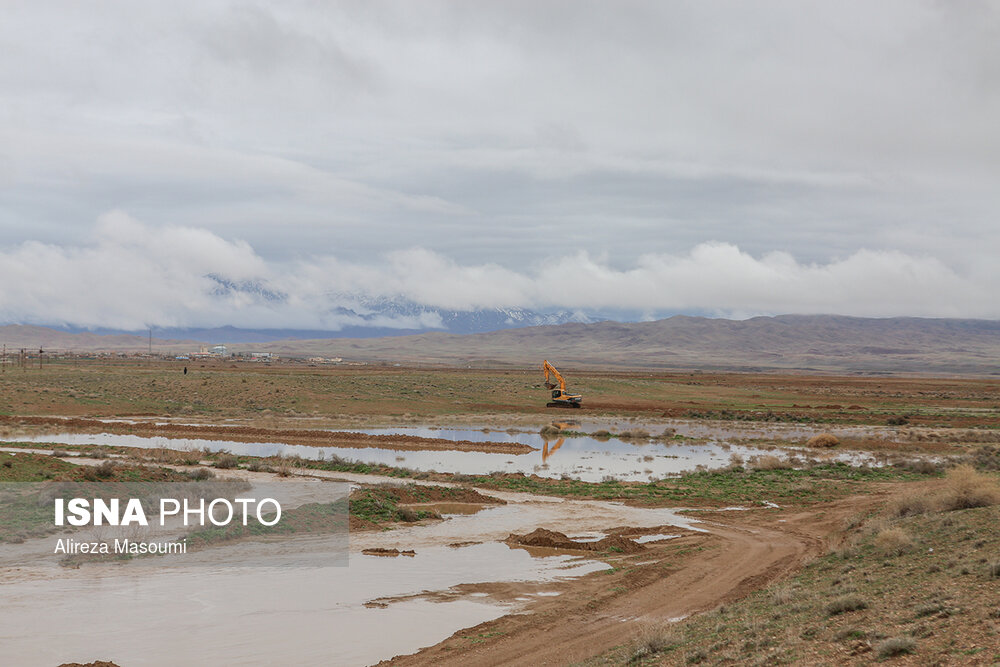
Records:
x=621, y=141
x=132, y=275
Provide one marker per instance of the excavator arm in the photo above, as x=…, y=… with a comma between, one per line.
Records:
x=549, y=368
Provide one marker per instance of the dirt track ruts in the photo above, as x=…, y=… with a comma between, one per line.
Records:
x=741, y=557
x=314, y=438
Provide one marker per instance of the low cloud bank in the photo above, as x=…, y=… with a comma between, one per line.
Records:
x=131, y=276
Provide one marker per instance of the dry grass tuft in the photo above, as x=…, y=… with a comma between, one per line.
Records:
x=895, y=646
x=173, y=456
x=201, y=474
x=893, y=542
x=783, y=595
x=823, y=440
x=408, y=514
x=986, y=457
x=653, y=639
x=911, y=504
x=845, y=604
x=257, y=465
x=226, y=461
x=965, y=488
x=769, y=462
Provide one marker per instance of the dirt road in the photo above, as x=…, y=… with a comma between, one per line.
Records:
x=740, y=554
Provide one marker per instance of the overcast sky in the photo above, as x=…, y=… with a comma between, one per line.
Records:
x=731, y=158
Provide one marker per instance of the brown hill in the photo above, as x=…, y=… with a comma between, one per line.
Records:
x=826, y=343
x=807, y=342
x=16, y=336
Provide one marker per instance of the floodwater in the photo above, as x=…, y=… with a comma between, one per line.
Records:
x=227, y=605
x=137, y=614
x=715, y=431
x=522, y=514
x=220, y=605
x=585, y=458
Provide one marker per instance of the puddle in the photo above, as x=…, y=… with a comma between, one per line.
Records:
x=584, y=458
x=142, y=615
x=702, y=429
x=523, y=514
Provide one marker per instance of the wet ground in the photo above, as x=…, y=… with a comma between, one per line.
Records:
x=581, y=456
x=215, y=610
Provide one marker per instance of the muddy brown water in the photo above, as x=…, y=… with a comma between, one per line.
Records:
x=224, y=607
x=584, y=457
x=230, y=614
x=224, y=612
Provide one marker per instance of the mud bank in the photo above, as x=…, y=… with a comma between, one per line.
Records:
x=695, y=573
x=250, y=434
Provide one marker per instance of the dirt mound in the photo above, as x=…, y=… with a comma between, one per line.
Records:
x=542, y=537
x=388, y=552
x=617, y=543
x=98, y=663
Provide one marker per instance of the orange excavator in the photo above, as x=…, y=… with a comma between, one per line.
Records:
x=560, y=399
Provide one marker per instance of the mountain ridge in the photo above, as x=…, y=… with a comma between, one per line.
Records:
x=827, y=343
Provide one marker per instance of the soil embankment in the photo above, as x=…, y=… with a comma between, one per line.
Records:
x=552, y=539
x=315, y=438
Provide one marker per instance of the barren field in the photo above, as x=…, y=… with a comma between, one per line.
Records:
x=738, y=558
x=217, y=390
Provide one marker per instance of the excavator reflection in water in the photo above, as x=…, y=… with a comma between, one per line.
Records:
x=546, y=452
x=549, y=451
x=560, y=398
